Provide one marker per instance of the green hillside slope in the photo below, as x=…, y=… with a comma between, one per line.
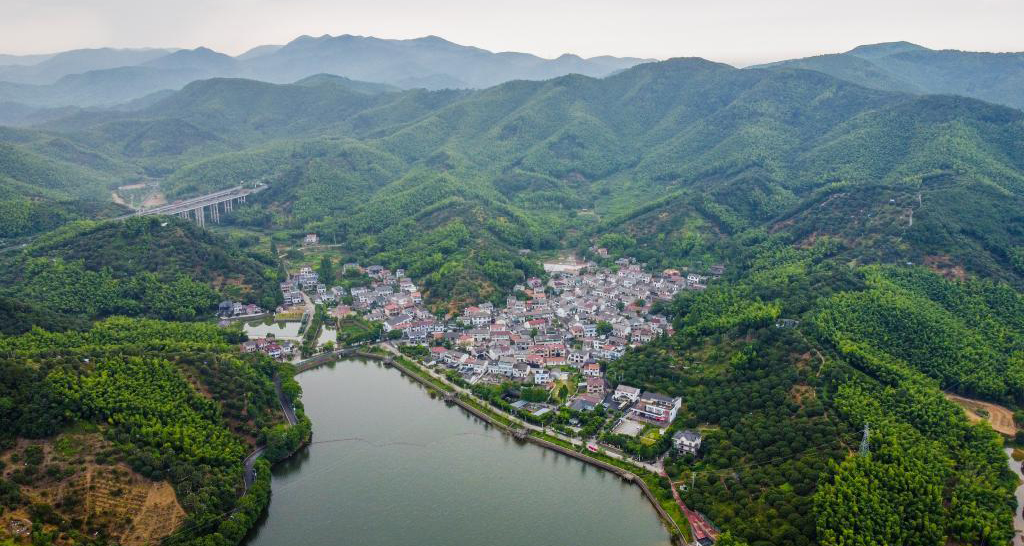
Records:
x=148, y=266
x=902, y=66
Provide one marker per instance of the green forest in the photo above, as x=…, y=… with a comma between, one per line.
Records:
x=141, y=382
x=872, y=238
x=783, y=410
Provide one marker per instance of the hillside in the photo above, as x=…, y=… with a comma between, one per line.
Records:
x=145, y=266
x=902, y=66
x=139, y=437
x=685, y=147
x=783, y=409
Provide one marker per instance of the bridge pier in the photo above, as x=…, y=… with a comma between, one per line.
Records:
x=195, y=208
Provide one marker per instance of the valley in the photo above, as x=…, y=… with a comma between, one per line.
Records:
x=783, y=301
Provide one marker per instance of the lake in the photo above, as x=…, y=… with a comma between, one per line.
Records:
x=391, y=465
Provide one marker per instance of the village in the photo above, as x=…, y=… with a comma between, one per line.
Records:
x=549, y=340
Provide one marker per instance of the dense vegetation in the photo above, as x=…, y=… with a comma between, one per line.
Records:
x=902, y=66
x=157, y=267
x=661, y=161
x=886, y=226
x=782, y=409
x=143, y=381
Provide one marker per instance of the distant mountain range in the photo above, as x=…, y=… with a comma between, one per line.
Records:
x=104, y=77
x=903, y=66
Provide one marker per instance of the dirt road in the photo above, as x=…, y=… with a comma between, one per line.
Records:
x=999, y=417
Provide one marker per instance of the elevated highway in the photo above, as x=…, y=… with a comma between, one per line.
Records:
x=196, y=208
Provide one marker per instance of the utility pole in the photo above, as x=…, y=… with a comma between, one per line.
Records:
x=865, y=448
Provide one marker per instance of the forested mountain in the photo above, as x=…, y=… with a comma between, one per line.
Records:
x=107, y=77
x=429, y=62
x=885, y=222
x=48, y=69
x=676, y=155
x=147, y=266
x=902, y=66
x=783, y=409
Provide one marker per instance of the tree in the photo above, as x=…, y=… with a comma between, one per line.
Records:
x=394, y=334
x=326, y=271
x=604, y=328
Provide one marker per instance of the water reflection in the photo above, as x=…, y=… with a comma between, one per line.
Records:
x=417, y=473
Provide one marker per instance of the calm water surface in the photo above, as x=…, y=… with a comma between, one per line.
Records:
x=407, y=469
x=280, y=329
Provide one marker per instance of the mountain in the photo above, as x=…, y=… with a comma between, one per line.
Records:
x=148, y=266
x=51, y=68
x=430, y=62
x=108, y=77
x=341, y=81
x=681, y=150
x=902, y=66
x=259, y=51
x=23, y=60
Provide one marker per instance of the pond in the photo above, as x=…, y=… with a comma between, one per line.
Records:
x=280, y=329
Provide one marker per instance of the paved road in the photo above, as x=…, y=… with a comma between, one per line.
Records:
x=286, y=405
x=608, y=450
x=289, y=412
x=250, y=464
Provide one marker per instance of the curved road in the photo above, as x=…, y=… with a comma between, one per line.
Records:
x=289, y=413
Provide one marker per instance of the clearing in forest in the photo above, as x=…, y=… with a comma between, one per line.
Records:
x=999, y=417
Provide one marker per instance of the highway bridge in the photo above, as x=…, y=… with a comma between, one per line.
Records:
x=196, y=208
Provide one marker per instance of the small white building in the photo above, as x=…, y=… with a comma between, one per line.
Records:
x=625, y=393
x=687, y=441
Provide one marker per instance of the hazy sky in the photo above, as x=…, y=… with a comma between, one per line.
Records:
x=734, y=31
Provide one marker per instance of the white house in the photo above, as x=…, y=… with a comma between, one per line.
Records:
x=625, y=393
x=687, y=441
x=657, y=408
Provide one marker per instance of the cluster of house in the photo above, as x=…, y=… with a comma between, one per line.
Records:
x=269, y=346
x=579, y=318
x=395, y=301
x=306, y=280
x=228, y=309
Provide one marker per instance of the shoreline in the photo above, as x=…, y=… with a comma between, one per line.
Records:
x=676, y=534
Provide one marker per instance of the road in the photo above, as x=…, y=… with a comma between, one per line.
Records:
x=289, y=413
x=608, y=450
x=207, y=200
x=286, y=405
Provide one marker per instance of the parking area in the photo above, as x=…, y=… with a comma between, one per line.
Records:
x=628, y=427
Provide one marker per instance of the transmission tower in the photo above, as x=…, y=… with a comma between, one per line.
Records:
x=864, y=446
